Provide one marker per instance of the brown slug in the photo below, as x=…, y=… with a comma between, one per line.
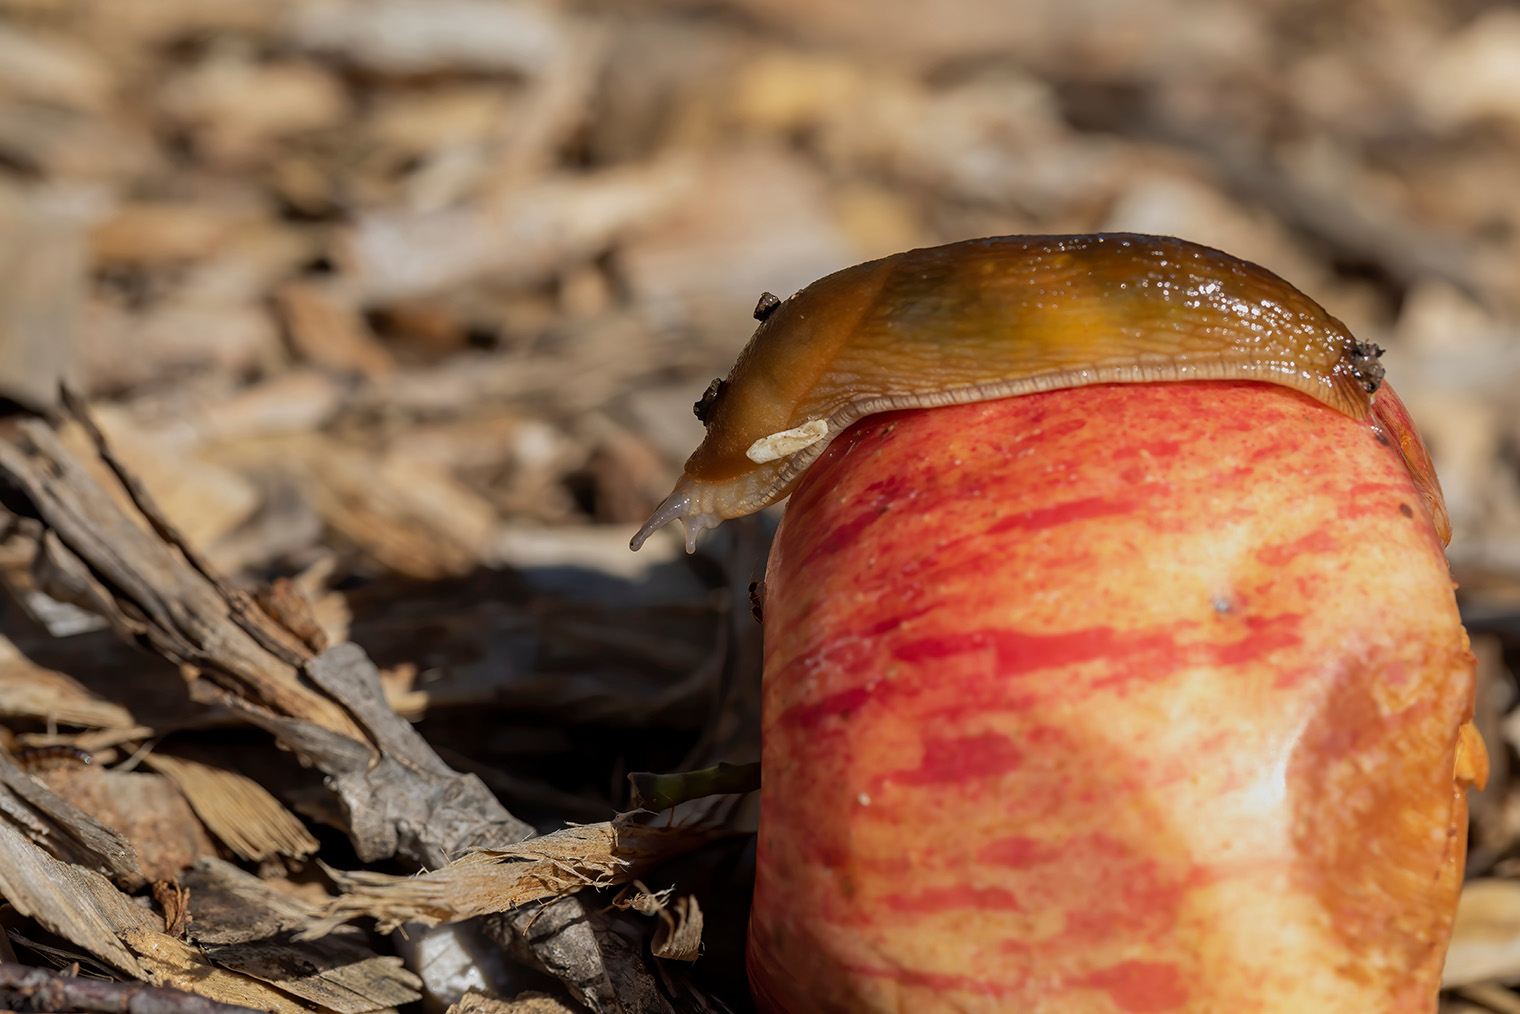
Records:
x=992, y=318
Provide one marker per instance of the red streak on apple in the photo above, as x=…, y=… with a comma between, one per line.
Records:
x=1115, y=700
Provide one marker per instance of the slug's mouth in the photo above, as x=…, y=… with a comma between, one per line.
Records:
x=688, y=504
x=700, y=505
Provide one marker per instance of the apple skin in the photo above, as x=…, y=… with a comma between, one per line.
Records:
x=1127, y=699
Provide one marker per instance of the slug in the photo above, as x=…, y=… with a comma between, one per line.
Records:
x=993, y=318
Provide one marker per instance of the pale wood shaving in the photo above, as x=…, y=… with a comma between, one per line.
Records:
x=679, y=936
x=166, y=961
x=496, y=880
x=237, y=809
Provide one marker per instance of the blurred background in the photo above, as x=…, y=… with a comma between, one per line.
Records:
x=411, y=299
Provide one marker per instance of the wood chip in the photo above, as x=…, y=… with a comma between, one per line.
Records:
x=523, y=234
x=237, y=809
x=495, y=880
x=523, y=1003
x=679, y=936
x=327, y=330
x=1485, y=942
x=43, y=269
x=147, y=809
x=75, y=903
x=245, y=925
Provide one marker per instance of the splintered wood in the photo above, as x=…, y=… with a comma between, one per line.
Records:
x=237, y=809
x=496, y=880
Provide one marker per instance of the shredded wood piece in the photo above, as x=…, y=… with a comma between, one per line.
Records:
x=496, y=880
x=679, y=936
x=237, y=809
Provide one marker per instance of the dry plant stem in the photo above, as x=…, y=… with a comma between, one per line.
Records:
x=1118, y=699
x=37, y=989
x=660, y=792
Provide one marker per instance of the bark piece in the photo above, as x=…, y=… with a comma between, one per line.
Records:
x=244, y=924
x=408, y=802
x=170, y=962
x=76, y=904
x=147, y=809
x=75, y=835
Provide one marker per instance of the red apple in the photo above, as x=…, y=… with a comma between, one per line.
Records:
x=1133, y=699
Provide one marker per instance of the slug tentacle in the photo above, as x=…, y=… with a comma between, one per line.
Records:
x=995, y=318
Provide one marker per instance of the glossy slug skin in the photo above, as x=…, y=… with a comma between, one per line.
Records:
x=992, y=318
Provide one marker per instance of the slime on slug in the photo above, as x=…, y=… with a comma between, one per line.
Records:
x=993, y=318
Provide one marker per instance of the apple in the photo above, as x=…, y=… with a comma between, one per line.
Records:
x=1123, y=699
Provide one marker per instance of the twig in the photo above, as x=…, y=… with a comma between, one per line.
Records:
x=37, y=989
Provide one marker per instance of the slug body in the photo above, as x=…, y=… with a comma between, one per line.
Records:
x=993, y=318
